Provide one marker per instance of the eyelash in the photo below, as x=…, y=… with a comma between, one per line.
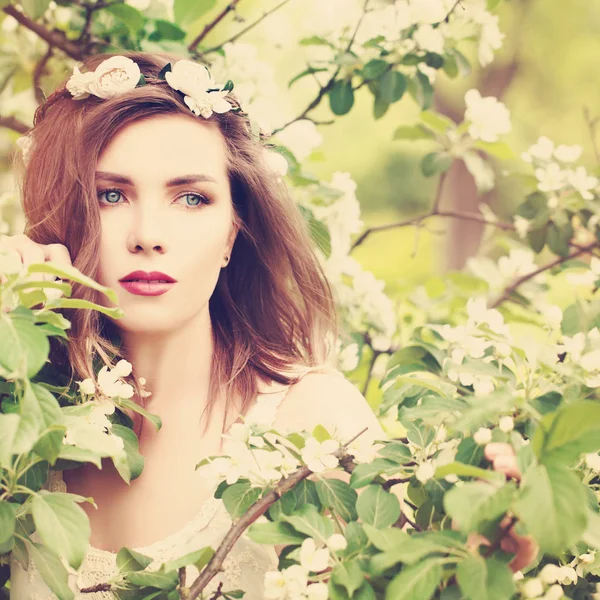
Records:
x=204, y=199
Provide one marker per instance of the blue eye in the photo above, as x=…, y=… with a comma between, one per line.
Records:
x=197, y=199
x=112, y=195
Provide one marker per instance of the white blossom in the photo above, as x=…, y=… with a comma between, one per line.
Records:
x=301, y=137
x=554, y=592
x=429, y=39
x=276, y=162
x=313, y=558
x=506, y=424
x=425, y=472
x=114, y=76
x=592, y=461
x=482, y=436
x=79, y=83
x=541, y=150
x=566, y=576
x=318, y=456
x=533, y=588
x=488, y=117
x=568, y=154
x=87, y=386
x=550, y=573
x=553, y=316
x=348, y=358
x=522, y=226
x=551, y=177
x=573, y=346
x=317, y=591
x=109, y=384
x=582, y=182
x=336, y=542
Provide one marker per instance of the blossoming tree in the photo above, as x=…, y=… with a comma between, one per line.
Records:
x=427, y=512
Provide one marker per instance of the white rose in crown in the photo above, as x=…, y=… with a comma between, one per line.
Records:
x=194, y=81
x=79, y=84
x=114, y=76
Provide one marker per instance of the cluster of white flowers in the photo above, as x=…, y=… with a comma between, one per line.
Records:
x=583, y=349
x=294, y=583
x=119, y=74
x=589, y=277
x=555, y=172
x=548, y=583
x=485, y=329
x=488, y=118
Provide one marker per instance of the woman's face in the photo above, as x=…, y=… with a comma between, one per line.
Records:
x=165, y=206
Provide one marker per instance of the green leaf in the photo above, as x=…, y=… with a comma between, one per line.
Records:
x=559, y=237
x=306, y=493
x=475, y=502
x=22, y=344
x=321, y=434
x=35, y=8
x=464, y=470
x=349, y=575
x=436, y=121
x=421, y=90
x=52, y=570
x=62, y=525
x=464, y=66
x=339, y=497
x=9, y=426
x=131, y=17
x=386, y=539
x=377, y=507
x=135, y=460
x=239, y=497
x=392, y=86
x=130, y=404
x=482, y=579
x=396, y=452
x=374, y=68
x=307, y=520
x=535, y=209
x=591, y=536
x=417, y=582
x=537, y=238
x=436, y=162
x=130, y=560
x=155, y=579
x=552, y=504
x=363, y=474
x=8, y=521
x=314, y=40
x=199, y=558
x=115, y=313
x=274, y=533
x=574, y=430
x=319, y=232
x=165, y=30
x=188, y=11
x=412, y=132
x=500, y=150
x=72, y=274
x=341, y=97
x=309, y=71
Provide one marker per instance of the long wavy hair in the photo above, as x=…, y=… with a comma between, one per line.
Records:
x=272, y=307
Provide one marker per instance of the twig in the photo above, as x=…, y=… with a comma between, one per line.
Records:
x=38, y=73
x=256, y=510
x=504, y=531
x=218, y=593
x=370, y=372
x=323, y=90
x=246, y=29
x=14, y=124
x=210, y=26
x=447, y=17
x=592, y=124
x=558, y=261
x=53, y=38
x=390, y=483
x=441, y=213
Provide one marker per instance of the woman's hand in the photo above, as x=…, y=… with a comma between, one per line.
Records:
x=524, y=547
x=31, y=252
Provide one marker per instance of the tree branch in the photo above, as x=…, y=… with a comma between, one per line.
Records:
x=14, y=124
x=39, y=71
x=256, y=510
x=53, y=38
x=210, y=26
x=246, y=29
x=558, y=261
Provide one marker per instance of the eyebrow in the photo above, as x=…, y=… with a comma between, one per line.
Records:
x=175, y=182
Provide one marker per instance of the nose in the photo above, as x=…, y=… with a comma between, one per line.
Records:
x=147, y=233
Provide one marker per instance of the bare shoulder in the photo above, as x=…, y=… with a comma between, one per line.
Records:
x=330, y=400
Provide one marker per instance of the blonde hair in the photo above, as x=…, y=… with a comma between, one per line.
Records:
x=272, y=307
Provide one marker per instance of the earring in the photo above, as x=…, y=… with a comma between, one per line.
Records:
x=227, y=260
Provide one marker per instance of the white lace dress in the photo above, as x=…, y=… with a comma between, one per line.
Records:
x=244, y=568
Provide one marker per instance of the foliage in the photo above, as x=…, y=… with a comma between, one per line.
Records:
x=459, y=371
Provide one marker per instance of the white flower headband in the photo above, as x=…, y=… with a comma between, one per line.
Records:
x=119, y=74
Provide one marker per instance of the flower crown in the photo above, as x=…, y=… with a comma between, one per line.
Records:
x=119, y=74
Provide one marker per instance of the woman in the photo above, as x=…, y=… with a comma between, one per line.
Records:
x=132, y=184
x=160, y=192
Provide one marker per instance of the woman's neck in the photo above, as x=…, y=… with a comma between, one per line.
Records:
x=176, y=364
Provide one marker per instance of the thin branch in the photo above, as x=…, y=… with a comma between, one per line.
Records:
x=370, y=372
x=256, y=510
x=558, y=261
x=53, y=38
x=323, y=90
x=392, y=482
x=39, y=71
x=246, y=29
x=447, y=17
x=14, y=124
x=210, y=26
x=592, y=124
x=478, y=218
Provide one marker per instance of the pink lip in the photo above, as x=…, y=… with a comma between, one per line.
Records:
x=152, y=276
x=144, y=288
